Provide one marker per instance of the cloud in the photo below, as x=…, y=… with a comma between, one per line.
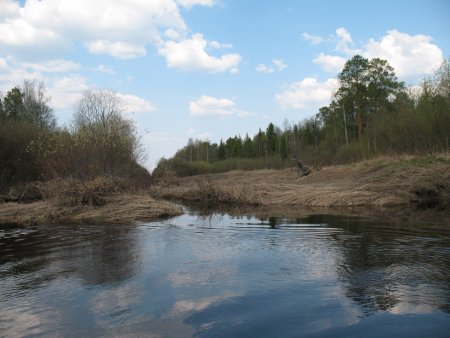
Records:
x=135, y=104
x=410, y=55
x=277, y=65
x=307, y=94
x=208, y=106
x=262, y=68
x=190, y=54
x=121, y=50
x=190, y=3
x=12, y=73
x=105, y=69
x=344, y=42
x=314, y=39
x=330, y=63
x=65, y=92
x=218, y=45
x=54, y=66
x=9, y=9
x=120, y=28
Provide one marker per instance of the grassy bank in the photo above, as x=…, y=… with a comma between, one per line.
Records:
x=412, y=182
x=101, y=200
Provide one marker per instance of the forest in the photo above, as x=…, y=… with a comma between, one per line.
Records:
x=98, y=142
x=371, y=114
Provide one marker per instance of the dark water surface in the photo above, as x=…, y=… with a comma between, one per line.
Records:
x=223, y=276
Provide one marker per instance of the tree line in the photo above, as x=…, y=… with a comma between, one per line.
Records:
x=98, y=141
x=371, y=113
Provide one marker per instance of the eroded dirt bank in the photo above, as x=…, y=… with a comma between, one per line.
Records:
x=379, y=183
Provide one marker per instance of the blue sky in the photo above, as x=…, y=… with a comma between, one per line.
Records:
x=211, y=69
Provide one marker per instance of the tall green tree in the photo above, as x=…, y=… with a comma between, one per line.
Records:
x=271, y=138
x=366, y=88
x=13, y=104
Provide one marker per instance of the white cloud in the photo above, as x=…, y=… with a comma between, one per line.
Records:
x=330, y=63
x=344, y=42
x=117, y=49
x=410, y=55
x=278, y=65
x=208, y=106
x=262, y=68
x=173, y=34
x=9, y=9
x=314, y=39
x=135, y=104
x=66, y=91
x=121, y=28
x=307, y=94
x=217, y=45
x=12, y=73
x=105, y=69
x=191, y=54
x=54, y=66
x=189, y=3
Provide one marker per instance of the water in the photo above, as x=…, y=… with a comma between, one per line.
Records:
x=223, y=276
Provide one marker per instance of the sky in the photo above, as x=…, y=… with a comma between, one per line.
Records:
x=211, y=69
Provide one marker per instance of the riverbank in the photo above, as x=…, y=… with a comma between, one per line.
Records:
x=382, y=183
x=120, y=208
x=101, y=200
x=398, y=186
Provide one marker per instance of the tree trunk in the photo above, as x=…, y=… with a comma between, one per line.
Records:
x=345, y=126
x=360, y=126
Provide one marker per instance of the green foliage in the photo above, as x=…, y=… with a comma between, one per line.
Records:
x=371, y=113
x=100, y=142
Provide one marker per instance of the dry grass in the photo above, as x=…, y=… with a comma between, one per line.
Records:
x=102, y=200
x=382, y=182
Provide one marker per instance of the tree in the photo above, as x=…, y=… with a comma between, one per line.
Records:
x=2, y=110
x=247, y=147
x=222, y=153
x=271, y=138
x=29, y=104
x=13, y=104
x=35, y=105
x=365, y=88
x=109, y=140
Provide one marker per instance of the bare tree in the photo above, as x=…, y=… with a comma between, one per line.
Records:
x=109, y=140
x=35, y=104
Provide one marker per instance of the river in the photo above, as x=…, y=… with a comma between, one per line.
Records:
x=227, y=276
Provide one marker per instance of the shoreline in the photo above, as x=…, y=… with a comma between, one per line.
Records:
x=377, y=188
x=119, y=208
x=379, y=184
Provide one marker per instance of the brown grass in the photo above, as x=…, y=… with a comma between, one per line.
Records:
x=382, y=183
x=102, y=200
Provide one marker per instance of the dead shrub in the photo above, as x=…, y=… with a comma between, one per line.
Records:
x=210, y=193
x=74, y=192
